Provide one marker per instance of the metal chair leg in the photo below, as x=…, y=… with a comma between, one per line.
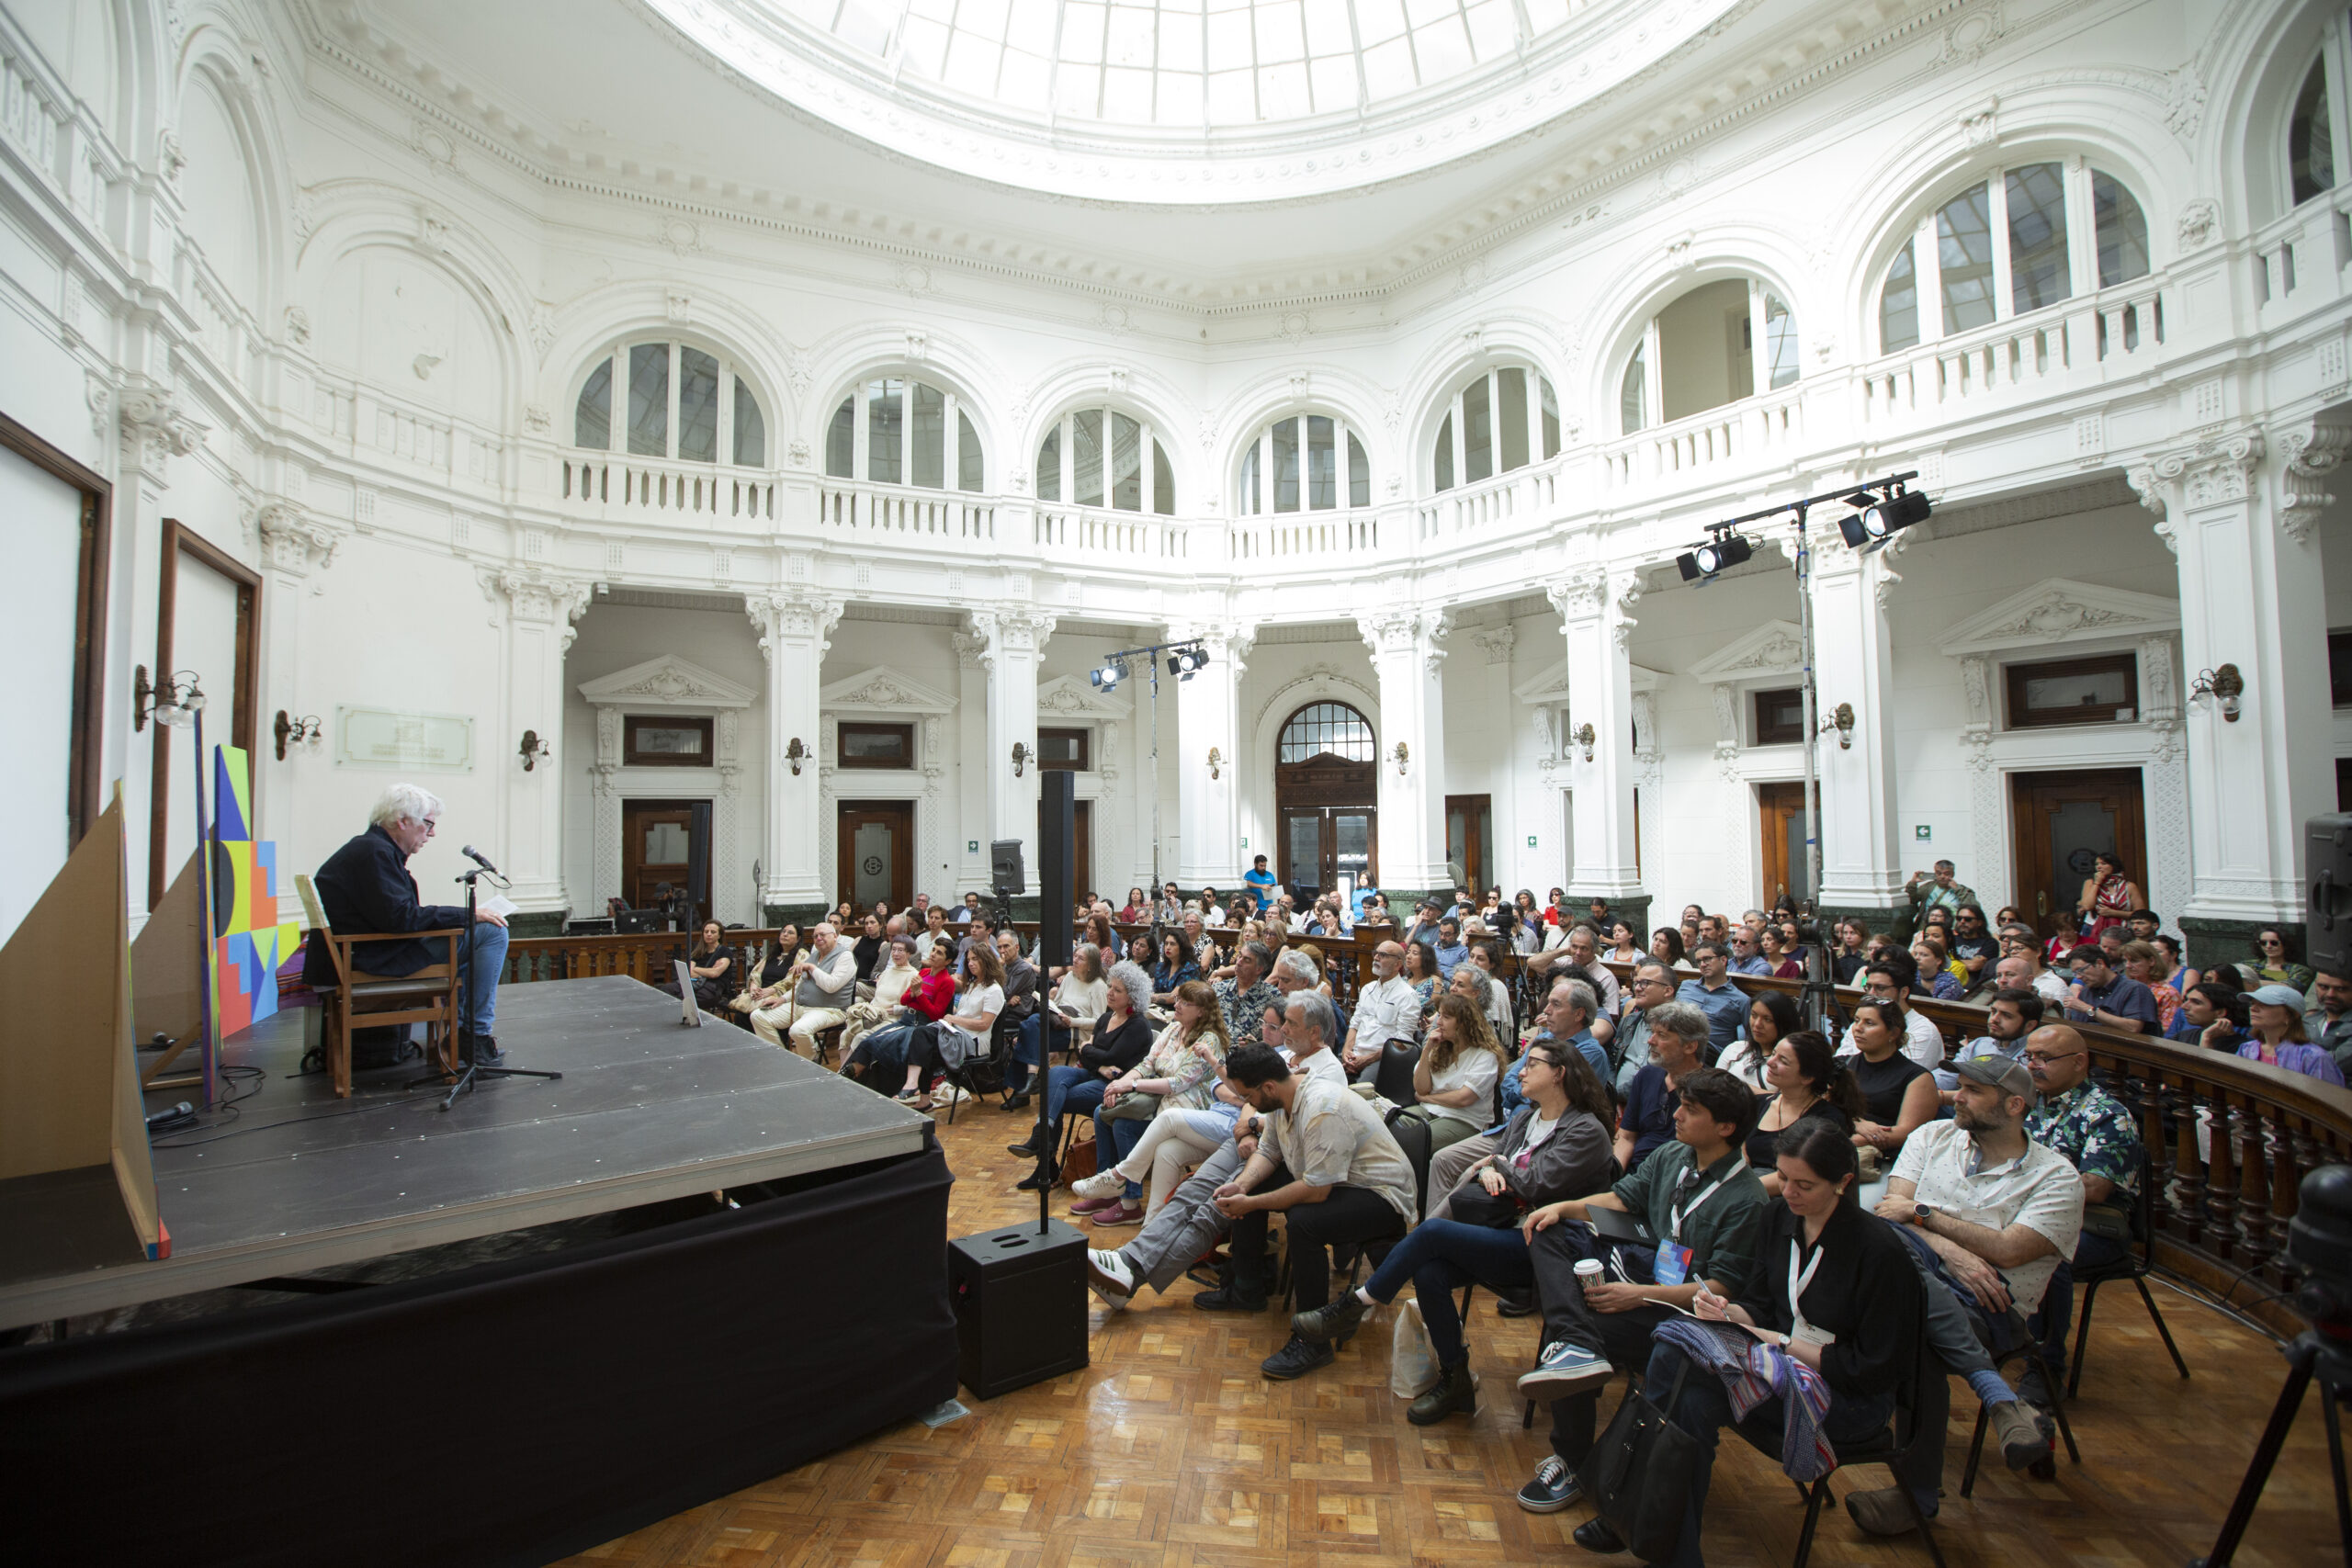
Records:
x=1927, y=1532
x=1814, y=1497
x=2083, y=1338
x=2161, y=1329
x=1975, y=1452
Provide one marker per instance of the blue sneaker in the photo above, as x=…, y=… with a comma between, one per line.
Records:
x=1562, y=1370
x=1554, y=1488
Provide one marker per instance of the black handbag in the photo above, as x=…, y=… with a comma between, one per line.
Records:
x=1472, y=1204
x=1638, y=1477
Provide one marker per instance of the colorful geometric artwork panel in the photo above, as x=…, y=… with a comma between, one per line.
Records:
x=249, y=941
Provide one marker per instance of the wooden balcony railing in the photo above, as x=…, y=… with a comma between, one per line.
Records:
x=646, y=957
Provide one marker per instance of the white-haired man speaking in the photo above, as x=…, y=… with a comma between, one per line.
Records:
x=365, y=888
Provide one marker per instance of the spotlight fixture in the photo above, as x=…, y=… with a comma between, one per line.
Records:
x=1108, y=676
x=1185, y=662
x=2221, y=687
x=795, y=754
x=303, y=731
x=1875, y=520
x=1725, y=549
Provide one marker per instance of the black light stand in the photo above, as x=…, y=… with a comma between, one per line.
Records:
x=473, y=1069
x=2311, y=1355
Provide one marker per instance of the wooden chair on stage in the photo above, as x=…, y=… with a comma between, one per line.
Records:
x=356, y=1000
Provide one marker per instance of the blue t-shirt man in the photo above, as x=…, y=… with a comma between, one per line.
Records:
x=1260, y=883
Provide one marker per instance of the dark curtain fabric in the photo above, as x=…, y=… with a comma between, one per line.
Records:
x=506, y=1415
x=699, y=863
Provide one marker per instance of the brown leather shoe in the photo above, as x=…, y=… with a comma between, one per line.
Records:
x=1883, y=1512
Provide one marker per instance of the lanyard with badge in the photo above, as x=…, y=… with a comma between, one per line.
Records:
x=1673, y=1265
x=1799, y=1328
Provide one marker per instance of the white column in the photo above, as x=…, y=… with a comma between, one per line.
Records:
x=1860, y=862
x=793, y=628
x=540, y=608
x=1012, y=639
x=970, y=729
x=2252, y=594
x=1595, y=618
x=1208, y=817
x=1406, y=659
x=294, y=544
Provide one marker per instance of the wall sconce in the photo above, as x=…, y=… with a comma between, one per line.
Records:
x=1020, y=755
x=1584, y=737
x=1842, y=720
x=795, y=754
x=2223, y=686
x=171, y=702
x=1215, y=761
x=1400, y=757
x=303, y=731
x=532, y=748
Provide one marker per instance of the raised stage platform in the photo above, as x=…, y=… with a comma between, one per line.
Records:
x=484, y=1409
x=646, y=1109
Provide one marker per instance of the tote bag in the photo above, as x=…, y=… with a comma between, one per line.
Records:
x=1639, y=1476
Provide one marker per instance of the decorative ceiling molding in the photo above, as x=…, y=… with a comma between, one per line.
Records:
x=667, y=682
x=2059, y=610
x=1776, y=648
x=883, y=690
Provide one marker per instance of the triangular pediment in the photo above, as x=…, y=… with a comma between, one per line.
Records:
x=2059, y=610
x=1074, y=696
x=1551, y=687
x=1776, y=648
x=667, y=682
x=885, y=691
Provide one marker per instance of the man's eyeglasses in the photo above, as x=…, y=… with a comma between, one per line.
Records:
x=2043, y=1058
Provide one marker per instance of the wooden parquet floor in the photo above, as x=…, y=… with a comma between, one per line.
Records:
x=1171, y=1451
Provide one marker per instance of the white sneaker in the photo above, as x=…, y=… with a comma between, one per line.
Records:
x=1108, y=1276
x=1102, y=1184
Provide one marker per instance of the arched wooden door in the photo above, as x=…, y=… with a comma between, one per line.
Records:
x=1326, y=798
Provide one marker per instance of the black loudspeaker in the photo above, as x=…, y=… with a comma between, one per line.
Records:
x=2327, y=919
x=1019, y=1306
x=1057, y=861
x=1009, y=876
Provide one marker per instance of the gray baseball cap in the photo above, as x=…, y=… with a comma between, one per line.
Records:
x=2009, y=1076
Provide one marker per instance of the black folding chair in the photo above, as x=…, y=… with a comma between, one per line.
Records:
x=2137, y=1262
x=982, y=1072
x=2029, y=1348
x=1392, y=1080
x=1891, y=1446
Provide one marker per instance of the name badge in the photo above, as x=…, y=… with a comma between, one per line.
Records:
x=1673, y=1265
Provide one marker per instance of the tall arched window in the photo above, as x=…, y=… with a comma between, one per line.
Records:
x=2020, y=240
x=1492, y=426
x=2311, y=141
x=899, y=432
x=1103, y=458
x=1703, y=351
x=1326, y=796
x=677, y=400
x=1293, y=465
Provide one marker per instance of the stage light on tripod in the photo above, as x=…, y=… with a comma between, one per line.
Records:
x=1728, y=550
x=1877, y=520
x=1107, y=677
x=1185, y=662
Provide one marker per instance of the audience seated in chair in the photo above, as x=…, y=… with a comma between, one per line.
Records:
x=2095, y=1133
x=1180, y=1073
x=1121, y=1038
x=1558, y=1025
x=927, y=999
x=765, y=986
x=1077, y=1002
x=820, y=988
x=962, y=1030
x=1556, y=1145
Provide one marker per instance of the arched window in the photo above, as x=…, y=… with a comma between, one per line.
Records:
x=898, y=432
x=2311, y=144
x=1492, y=426
x=1294, y=465
x=2022, y=239
x=1320, y=728
x=677, y=402
x=1703, y=351
x=1103, y=458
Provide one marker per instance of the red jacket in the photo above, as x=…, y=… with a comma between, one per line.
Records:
x=932, y=992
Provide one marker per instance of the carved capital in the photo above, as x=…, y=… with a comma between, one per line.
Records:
x=545, y=598
x=795, y=618
x=1404, y=629
x=294, y=541
x=1496, y=642
x=2307, y=456
x=155, y=427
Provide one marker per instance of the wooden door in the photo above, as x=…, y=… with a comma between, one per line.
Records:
x=208, y=622
x=1318, y=844
x=657, y=847
x=1779, y=818
x=1081, y=860
x=874, y=852
x=1470, y=841
x=2063, y=821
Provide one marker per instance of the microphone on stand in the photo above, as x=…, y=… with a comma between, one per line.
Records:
x=479, y=859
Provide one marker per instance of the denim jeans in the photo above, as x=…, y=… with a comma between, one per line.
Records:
x=1071, y=1089
x=481, y=979
x=1704, y=1410
x=1440, y=1257
x=1115, y=1138
x=1025, y=1054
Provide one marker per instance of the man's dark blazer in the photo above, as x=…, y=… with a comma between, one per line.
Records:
x=366, y=887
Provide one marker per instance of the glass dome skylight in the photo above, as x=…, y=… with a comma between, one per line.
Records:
x=1189, y=100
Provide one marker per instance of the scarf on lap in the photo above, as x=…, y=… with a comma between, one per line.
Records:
x=1751, y=1372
